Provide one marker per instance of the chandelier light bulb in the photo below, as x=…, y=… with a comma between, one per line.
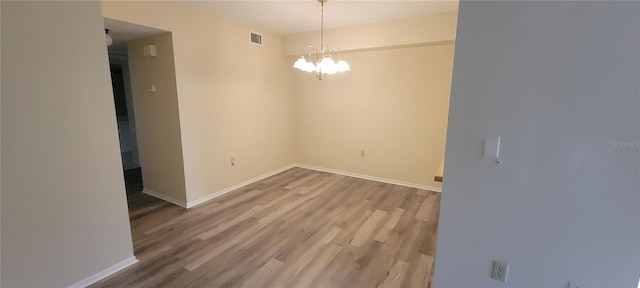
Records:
x=327, y=66
x=309, y=67
x=343, y=66
x=300, y=64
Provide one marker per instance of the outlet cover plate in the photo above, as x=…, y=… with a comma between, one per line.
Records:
x=500, y=271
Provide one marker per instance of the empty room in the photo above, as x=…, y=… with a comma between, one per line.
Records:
x=320, y=144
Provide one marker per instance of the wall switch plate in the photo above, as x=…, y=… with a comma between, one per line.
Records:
x=361, y=153
x=492, y=148
x=500, y=271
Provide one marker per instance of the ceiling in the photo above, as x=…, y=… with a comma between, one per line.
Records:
x=295, y=16
x=122, y=32
x=290, y=16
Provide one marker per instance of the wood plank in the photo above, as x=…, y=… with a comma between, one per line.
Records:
x=223, y=247
x=315, y=268
x=393, y=220
x=235, y=200
x=224, y=226
x=426, y=208
x=303, y=261
x=395, y=275
x=420, y=275
x=364, y=233
x=300, y=182
x=263, y=274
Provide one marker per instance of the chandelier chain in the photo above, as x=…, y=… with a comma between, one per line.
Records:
x=322, y=26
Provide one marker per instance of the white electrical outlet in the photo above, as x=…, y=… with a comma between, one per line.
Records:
x=500, y=271
x=572, y=285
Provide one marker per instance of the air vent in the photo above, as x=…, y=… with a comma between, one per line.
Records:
x=256, y=38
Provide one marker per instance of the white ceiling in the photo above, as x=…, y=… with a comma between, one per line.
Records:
x=122, y=32
x=125, y=31
x=290, y=16
x=294, y=16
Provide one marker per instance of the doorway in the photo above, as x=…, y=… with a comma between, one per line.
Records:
x=121, y=33
x=121, y=85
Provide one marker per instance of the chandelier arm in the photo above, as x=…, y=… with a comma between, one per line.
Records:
x=334, y=48
x=312, y=50
x=325, y=51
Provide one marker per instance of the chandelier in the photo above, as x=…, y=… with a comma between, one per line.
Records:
x=321, y=60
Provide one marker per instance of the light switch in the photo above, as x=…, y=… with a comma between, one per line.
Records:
x=151, y=89
x=492, y=148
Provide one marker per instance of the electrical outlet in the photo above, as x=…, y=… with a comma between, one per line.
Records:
x=233, y=161
x=572, y=285
x=500, y=271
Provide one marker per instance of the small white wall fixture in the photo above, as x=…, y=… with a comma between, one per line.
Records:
x=149, y=50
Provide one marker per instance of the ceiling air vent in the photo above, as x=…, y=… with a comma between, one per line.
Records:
x=256, y=38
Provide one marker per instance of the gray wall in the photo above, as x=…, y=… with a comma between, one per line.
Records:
x=64, y=211
x=560, y=82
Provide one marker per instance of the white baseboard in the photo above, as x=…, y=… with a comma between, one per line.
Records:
x=165, y=197
x=367, y=177
x=191, y=204
x=106, y=272
x=199, y=201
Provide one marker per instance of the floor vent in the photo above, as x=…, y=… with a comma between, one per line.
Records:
x=256, y=38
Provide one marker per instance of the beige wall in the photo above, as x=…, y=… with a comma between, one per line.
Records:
x=411, y=31
x=157, y=118
x=64, y=211
x=234, y=98
x=393, y=104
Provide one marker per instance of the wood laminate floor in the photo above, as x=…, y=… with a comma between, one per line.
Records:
x=299, y=228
